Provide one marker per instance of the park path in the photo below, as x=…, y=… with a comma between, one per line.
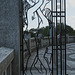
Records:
x=71, y=58
x=70, y=61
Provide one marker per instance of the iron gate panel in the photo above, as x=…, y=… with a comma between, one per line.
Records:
x=55, y=17
x=59, y=39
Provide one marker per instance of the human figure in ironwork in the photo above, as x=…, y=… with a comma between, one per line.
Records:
x=47, y=14
x=35, y=14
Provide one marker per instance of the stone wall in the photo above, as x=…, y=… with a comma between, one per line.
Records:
x=71, y=39
x=10, y=29
x=45, y=42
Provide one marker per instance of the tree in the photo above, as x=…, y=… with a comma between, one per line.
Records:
x=69, y=30
x=45, y=30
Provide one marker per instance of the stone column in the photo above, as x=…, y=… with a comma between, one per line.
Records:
x=10, y=30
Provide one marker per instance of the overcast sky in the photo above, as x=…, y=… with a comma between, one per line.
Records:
x=71, y=13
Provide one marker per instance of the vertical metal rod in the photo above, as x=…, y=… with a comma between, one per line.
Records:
x=60, y=41
x=56, y=42
x=22, y=37
x=52, y=34
x=49, y=33
x=37, y=40
x=65, y=33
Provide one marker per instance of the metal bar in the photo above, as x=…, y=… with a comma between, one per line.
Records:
x=60, y=41
x=58, y=11
x=56, y=42
x=58, y=16
x=49, y=34
x=52, y=36
x=59, y=49
x=22, y=37
x=65, y=33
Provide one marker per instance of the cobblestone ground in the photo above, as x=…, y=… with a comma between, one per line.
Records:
x=70, y=61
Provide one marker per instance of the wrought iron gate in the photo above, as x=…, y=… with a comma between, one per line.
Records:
x=55, y=15
x=59, y=39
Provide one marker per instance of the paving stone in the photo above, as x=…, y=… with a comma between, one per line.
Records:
x=72, y=56
x=71, y=72
x=70, y=64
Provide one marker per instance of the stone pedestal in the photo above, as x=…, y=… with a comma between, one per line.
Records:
x=10, y=30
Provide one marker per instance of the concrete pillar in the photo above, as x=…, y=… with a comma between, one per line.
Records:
x=6, y=72
x=11, y=69
x=10, y=30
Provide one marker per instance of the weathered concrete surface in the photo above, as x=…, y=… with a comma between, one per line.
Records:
x=10, y=29
x=6, y=57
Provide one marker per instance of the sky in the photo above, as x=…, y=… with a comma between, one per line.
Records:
x=70, y=13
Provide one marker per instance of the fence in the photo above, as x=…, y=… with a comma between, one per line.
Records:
x=45, y=41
